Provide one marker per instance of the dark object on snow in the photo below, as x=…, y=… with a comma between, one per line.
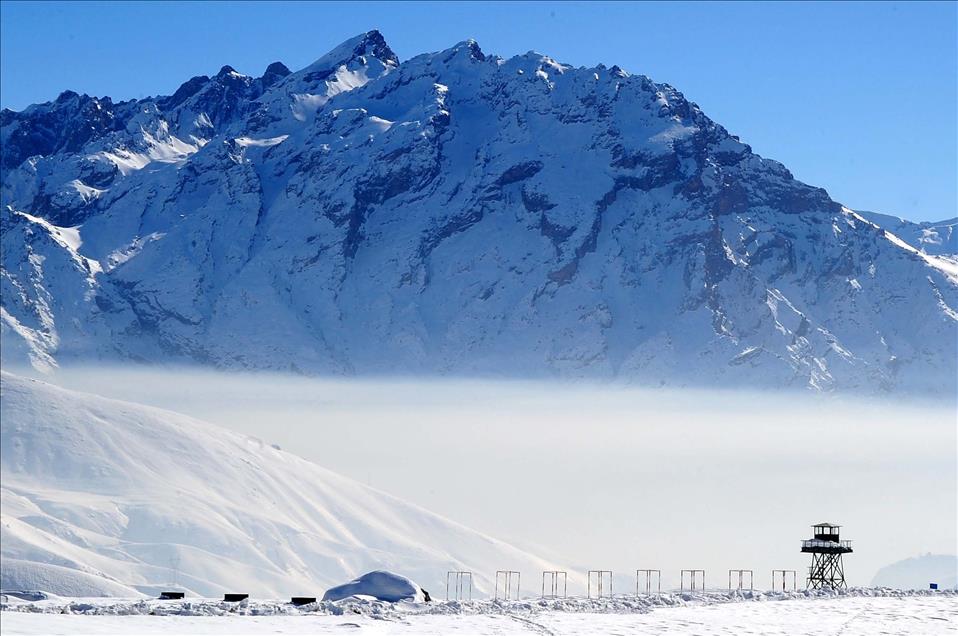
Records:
x=932, y=586
x=426, y=596
x=171, y=596
x=827, y=570
x=302, y=600
x=235, y=598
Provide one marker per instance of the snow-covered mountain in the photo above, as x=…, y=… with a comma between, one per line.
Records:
x=931, y=237
x=102, y=497
x=455, y=213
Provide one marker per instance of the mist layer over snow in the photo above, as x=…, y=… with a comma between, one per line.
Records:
x=608, y=477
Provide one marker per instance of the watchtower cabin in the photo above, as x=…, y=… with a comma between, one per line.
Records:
x=826, y=549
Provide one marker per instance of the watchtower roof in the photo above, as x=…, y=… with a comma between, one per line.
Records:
x=826, y=525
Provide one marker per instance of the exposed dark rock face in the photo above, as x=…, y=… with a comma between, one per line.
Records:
x=63, y=126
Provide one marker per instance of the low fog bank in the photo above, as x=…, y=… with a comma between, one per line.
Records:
x=607, y=477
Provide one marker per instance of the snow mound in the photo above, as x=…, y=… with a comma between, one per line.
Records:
x=57, y=579
x=381, y=585
x=101, y=497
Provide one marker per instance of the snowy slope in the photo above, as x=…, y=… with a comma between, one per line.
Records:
x=455, y=213
x=101, y=497
x=939, y=238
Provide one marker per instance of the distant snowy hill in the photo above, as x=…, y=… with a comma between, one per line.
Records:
x=455, y=213
x=917, y=572
x=101, y=497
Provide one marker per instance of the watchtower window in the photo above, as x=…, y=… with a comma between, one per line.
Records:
x=826, y=531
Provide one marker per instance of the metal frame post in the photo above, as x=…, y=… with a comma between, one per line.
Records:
x=784, y=574
x=460, y=586
x=507, y=588
x=741, y=579
x=554, y=583
x=692, y=576
x=648, y=581
x=600, y=580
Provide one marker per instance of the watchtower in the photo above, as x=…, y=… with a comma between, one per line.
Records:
x=826, y=549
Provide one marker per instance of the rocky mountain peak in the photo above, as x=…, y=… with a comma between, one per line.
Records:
x=360, y=49
x=373, y=42
x=274, y=72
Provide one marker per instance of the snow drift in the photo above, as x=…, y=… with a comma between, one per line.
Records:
x=101, y=497
x=383, y=586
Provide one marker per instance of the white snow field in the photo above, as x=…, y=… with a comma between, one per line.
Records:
x=864, y=612
x=109, y=498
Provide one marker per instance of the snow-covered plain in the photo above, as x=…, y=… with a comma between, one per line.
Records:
x=864, y=612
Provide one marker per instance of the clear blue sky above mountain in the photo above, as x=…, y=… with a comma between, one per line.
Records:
x=858, y=98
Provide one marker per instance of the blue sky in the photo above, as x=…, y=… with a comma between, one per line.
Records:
x=858, y=98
